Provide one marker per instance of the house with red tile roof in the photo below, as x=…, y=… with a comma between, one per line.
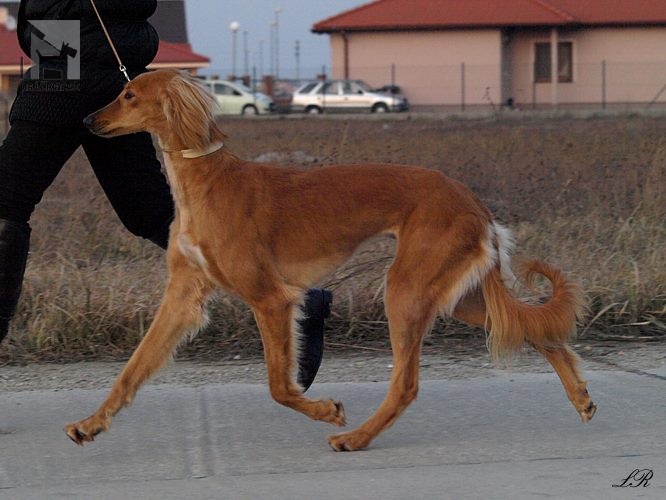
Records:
x=522, y=52
x=169, y=20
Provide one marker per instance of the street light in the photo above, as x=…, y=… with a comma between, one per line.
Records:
x=278, y=10
x=271, y=69
x=234, y=27
x=261, y=58
x=246, y=65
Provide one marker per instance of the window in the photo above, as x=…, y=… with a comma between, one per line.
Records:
x=307, y=88
x=331, y=88
x=354, y=88
x=222, y=89
x=564, y=62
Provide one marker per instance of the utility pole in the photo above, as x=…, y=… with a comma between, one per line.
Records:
x=297, y=53
x=278, y=10
x=246, y=65
x=261, y=58
x=272, y=50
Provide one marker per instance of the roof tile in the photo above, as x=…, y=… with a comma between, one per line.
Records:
x=451, y=14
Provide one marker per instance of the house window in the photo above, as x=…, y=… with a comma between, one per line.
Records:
x=564, y=62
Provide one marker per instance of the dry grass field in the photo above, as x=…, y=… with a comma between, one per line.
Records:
x=586, y=194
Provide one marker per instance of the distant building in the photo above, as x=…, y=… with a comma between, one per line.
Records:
x=174, y=51
x=525, y=52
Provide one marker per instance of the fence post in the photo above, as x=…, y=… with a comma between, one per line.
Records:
x=603, y=84
x=4, y=115
x=462, y=87
x=392, y=76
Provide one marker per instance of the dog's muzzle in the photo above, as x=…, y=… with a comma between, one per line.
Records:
x=89, y=122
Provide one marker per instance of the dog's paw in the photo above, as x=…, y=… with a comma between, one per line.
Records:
x=349, y=441
x=336, y=414
x=85, y=431
x=587, y=413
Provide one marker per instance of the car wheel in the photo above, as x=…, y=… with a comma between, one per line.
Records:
x=313, y=110
x=250, y=110
x=380, y=107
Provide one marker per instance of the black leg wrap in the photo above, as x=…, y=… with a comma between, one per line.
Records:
x=14, y=245
x=317, y=308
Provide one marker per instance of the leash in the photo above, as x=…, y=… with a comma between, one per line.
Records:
x=121, y=67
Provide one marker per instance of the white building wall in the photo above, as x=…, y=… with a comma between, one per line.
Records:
x=428, y=65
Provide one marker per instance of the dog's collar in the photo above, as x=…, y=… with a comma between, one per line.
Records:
x=198, y=153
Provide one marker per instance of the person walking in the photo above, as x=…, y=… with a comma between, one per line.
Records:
x=46, y=128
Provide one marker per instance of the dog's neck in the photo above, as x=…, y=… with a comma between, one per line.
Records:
x=171, y=143
x=185, y=166
x=195, y=153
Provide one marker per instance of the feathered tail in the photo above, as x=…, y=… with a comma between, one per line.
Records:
x=513, y=323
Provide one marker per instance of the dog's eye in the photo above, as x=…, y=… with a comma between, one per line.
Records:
x=129, y=95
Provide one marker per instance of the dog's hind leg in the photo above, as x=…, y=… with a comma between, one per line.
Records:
x=181, y=312
x=410, y=314
x=565, y=363
x=472, y=310
x=276, y=321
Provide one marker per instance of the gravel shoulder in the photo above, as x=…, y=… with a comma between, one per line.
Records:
x=458, y=360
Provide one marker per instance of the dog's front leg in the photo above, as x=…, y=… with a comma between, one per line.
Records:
x=275, y=319
x=181, y=312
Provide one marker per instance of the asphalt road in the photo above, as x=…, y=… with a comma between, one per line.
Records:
x=508, y=436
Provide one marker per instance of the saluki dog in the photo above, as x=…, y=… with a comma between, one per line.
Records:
x=267, y=233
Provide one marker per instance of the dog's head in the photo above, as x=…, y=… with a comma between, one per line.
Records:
x=169, y=103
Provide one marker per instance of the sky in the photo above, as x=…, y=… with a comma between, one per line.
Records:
x=209, y=21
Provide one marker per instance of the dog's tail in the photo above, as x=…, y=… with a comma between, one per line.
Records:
x=514, y=323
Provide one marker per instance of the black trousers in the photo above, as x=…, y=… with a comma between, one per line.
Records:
x=126, y=167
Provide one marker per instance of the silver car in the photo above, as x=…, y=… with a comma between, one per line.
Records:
x=344, y=96
x=235, y=98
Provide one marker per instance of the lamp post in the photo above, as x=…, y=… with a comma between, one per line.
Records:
x=246, y=62
x=271, y=68
x=234, y=27
x=261, y=58
x=278, y=10
x=297, y=53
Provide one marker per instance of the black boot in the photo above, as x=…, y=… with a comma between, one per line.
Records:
x=317, y=308
x=14, y=244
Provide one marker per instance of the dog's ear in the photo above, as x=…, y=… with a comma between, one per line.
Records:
x=190, y=112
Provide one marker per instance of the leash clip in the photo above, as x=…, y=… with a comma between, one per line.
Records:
x=123, y=70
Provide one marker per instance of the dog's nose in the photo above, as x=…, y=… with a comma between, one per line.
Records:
x=88, y=121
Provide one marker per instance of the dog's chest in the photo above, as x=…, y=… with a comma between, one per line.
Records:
x=188, y=248
x=192, y=252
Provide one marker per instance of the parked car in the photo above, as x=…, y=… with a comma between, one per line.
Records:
x=388, y=89
x=344, y=96
x=235, y=98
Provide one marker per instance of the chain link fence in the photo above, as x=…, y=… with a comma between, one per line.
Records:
x=468, y=87
x=464, y=87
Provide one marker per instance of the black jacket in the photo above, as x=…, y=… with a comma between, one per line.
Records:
x=101, y=81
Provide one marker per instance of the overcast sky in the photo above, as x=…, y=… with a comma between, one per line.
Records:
x=209, y=20
x=208, y=23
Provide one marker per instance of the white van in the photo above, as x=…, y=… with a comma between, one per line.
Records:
x=235, y=98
